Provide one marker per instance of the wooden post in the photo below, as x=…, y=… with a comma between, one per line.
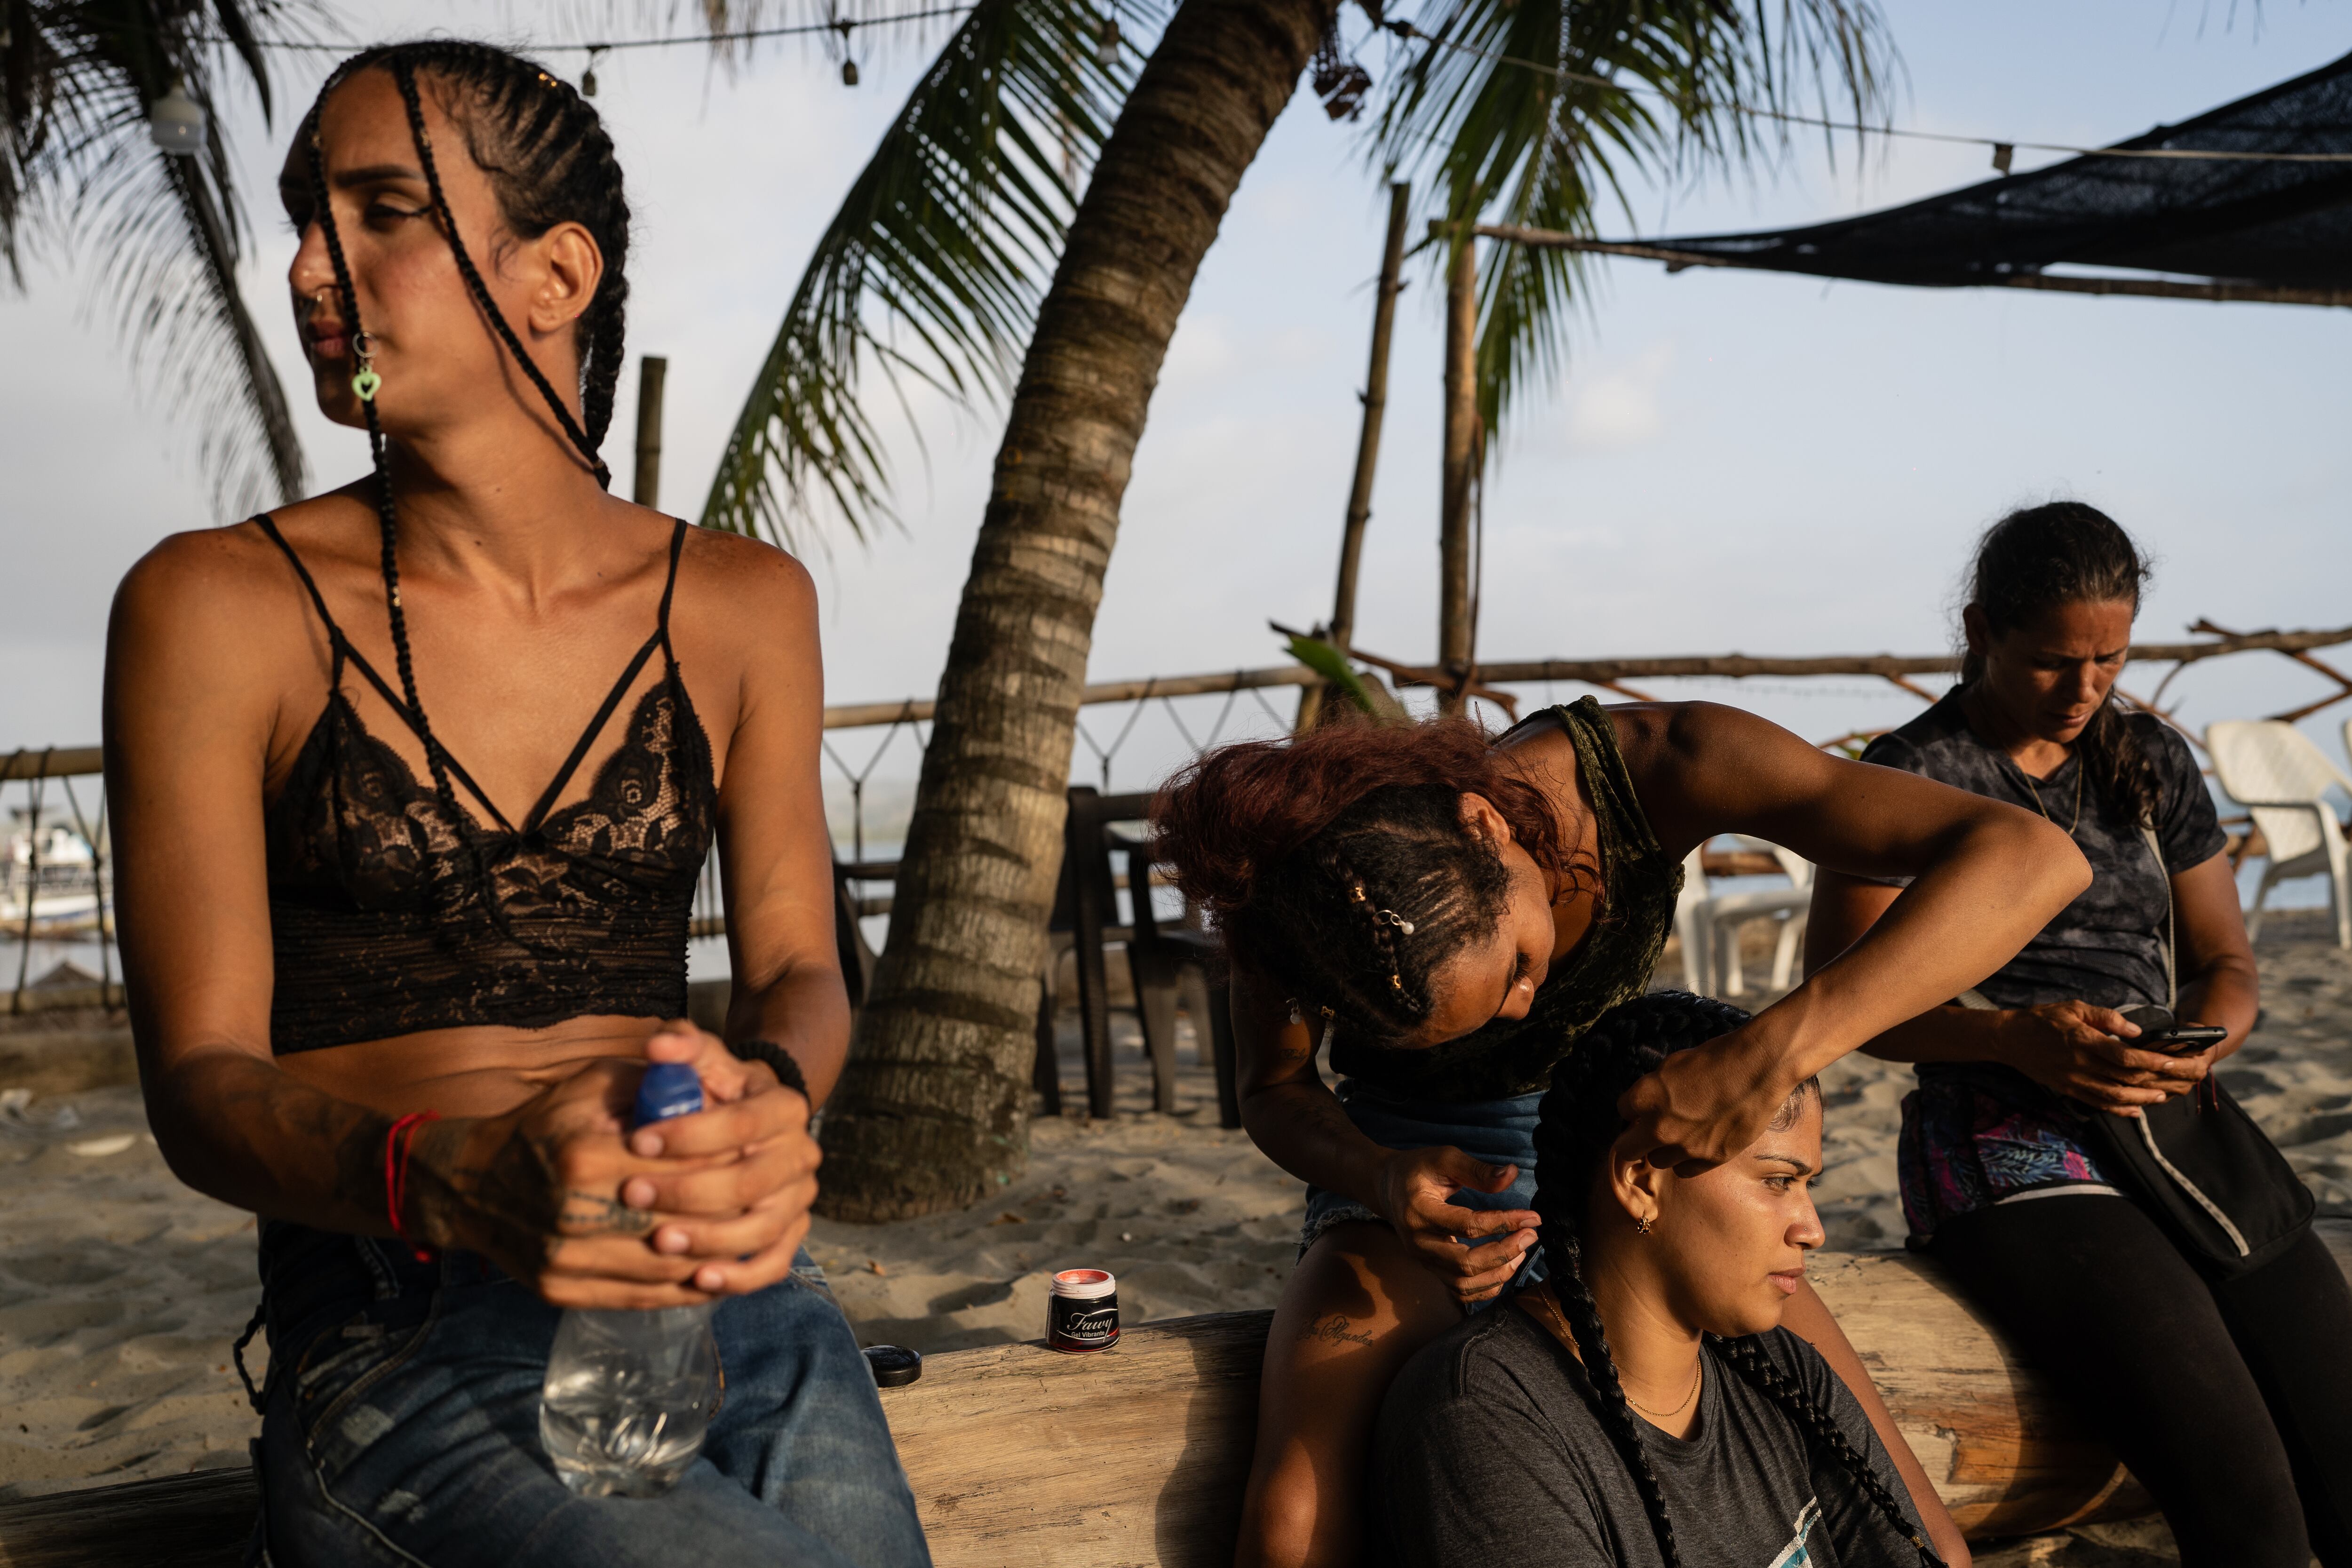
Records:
x=1368, y=445
x=1454, y=608
x=652, y=370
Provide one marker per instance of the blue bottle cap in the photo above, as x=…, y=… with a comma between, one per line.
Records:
x=667, y=1089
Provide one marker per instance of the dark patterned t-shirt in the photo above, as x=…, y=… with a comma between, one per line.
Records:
x=2107, y=946
x=1977, y=1132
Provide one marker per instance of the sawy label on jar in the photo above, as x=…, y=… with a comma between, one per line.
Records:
x=1081, y=1313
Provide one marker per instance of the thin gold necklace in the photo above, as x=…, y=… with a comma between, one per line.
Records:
x=2035, y=790
x=1698, y=1373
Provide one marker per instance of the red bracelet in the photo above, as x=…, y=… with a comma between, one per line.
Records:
x=396, y=1146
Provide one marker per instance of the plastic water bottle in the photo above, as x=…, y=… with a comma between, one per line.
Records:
x=629, y=1395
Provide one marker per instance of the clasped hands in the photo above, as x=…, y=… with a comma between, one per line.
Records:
x=561, y=1196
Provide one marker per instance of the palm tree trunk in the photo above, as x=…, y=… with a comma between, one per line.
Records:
x=933, y=1111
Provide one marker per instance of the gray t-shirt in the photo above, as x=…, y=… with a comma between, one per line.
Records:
x=1489, y=1453
x=2107, y=946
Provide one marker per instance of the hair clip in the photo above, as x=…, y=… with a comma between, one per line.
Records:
x=1356, y=896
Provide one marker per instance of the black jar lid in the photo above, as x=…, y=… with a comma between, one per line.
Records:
x=893, y=1366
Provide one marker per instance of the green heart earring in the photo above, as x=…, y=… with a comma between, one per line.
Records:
x=366, y=382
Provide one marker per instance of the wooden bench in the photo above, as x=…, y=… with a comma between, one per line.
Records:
x=1135, y=1455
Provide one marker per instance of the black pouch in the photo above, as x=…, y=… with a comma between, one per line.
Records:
x=2201, y=1165
x=2209, y=1175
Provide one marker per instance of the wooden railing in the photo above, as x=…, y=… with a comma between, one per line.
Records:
x=56, y=787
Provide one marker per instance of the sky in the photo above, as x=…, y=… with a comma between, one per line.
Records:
x=1728, y=461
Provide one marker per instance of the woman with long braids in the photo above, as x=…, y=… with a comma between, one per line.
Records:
x=2228, y=1393
x=1641, y=1407
x=404, y=877
x=1450, y=912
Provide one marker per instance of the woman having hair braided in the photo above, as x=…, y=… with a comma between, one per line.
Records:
x=400, y=947
x=1640, y=1407
x=1450, y=912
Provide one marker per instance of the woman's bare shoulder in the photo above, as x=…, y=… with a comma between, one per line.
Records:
x=733, y=573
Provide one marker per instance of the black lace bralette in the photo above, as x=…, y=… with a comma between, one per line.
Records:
x=384, y=921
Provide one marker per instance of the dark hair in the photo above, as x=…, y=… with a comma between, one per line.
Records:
x=1337, y=862
x=548, y=160
x=1579, y=1123
x=2065, y=552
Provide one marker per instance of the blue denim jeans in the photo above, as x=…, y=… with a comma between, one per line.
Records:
x=1499, y=1131
x=401, y=1427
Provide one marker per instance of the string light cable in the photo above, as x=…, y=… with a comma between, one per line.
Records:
x=740, y=35
x=2001, y=147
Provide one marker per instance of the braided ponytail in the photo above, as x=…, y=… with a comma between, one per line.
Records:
x=1564, y=1255
x=1822, y=1434
x=1578, y=1124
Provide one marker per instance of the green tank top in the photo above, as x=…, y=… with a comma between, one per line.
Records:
x=1612, y=964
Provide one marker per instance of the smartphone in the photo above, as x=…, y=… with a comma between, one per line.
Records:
x=2161, y=1031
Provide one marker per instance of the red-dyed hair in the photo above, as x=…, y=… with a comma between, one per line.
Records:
x=1294, y=844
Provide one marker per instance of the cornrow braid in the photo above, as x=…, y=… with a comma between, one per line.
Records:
x=606, y=320
x=1317, y=918
x=1822, y=1434
x=1388, y=966
x=403, y=71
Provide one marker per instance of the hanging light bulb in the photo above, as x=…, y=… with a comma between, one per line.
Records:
x=1106, y=46
x=849, y=73
x=588, y=77
x=848, y=66
x=176, y=122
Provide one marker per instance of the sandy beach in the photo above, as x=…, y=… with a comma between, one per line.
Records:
x=120, y=1290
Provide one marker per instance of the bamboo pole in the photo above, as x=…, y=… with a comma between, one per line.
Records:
x=1368, y=445
x=1376, y=402
x=645, y=486
x=1454, y=628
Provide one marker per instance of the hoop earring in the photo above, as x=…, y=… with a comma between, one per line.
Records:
x=365, y=382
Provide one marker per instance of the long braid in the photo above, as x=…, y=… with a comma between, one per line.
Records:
x=388, y=528
x=557, y=163
x=1822, y=1434
x=403, y=72
x=1558, y=1204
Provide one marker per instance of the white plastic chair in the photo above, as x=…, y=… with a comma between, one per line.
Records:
x=1692, y=926
x=1709, y=922
x=2275, y=772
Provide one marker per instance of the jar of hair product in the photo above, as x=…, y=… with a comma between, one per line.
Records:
x=1081, y=1313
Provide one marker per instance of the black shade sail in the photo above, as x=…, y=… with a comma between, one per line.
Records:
x=2256, y=228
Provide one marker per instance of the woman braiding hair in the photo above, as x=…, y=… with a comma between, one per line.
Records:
x=1450, y=913
x=1643, y=1394
x=400, y=947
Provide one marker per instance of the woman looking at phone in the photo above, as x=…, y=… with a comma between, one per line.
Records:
x=2231, y=1399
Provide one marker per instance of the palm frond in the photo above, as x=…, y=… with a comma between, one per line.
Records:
x=79, y=175
x=932, y=267
x=1645, y=88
